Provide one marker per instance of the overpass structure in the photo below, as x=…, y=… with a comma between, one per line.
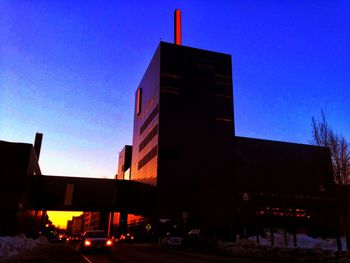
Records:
x=90, y=194
x=26, y=194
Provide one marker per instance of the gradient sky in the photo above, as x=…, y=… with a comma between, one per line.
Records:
x=69, y=69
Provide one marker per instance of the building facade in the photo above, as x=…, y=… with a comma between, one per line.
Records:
x=124, y=163
x=184, y=143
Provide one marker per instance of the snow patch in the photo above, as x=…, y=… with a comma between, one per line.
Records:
x=16, y=245
x=308, y=249
x=303, y=241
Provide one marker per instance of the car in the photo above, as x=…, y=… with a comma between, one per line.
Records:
x=77, y=238
x=95, y=240
x=62, y=237
x=201, y=239
x=74, y=239
x=126, y=238
x=171, y=240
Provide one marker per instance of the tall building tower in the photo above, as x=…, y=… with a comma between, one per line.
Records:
x=183, y=126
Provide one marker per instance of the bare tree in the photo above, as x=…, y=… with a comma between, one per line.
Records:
x=323, y=135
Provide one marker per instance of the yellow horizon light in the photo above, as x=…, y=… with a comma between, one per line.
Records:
x=60, y=218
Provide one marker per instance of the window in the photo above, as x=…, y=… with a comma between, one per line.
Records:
x=224, y=119
x=148, y=157
x=223, y=96
x=96, y=234
x=170, y=75
x=148, y=138
x=149, y=119
x=170, y=90
x=169, y=84
x=138, y=101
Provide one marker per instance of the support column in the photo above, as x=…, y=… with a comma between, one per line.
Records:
x=110, y=223
x=123, y=222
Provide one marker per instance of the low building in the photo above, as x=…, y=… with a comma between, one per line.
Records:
x=70, y=227
x=77, y=225
x=18, y=162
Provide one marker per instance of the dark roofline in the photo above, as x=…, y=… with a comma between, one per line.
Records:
x=193, y=48
x=16, y=143
x=284, y=142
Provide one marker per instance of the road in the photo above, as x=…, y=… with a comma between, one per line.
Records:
x=146, y=253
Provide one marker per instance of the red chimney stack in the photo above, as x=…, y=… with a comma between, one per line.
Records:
x=177, y=25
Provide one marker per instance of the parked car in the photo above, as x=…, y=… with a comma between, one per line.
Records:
x=201, y=239
x=171, y=240
x=62, y=237
x=74, y=239
x=126, y=238
x=95, y=240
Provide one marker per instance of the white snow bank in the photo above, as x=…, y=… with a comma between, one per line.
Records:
x=15, y=245
x=303, y=241
x=308, y=249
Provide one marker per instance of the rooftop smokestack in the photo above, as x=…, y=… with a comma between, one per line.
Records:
x=37, y=143
x=177, y=27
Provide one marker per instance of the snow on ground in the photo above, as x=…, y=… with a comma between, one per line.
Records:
x=308, y=249
x=303, y=241
x=15, y=245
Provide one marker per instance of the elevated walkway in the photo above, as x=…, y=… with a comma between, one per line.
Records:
x=90, y=194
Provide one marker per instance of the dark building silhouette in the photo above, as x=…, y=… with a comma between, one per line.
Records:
x=184, y=143
x=19, y=162
x=189, y=93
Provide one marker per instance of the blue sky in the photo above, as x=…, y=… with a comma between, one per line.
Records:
x=69, y=69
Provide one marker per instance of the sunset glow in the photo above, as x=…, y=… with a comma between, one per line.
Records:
x=60, y=218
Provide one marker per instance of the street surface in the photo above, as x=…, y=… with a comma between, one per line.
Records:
x=150, y=253
x=131, y=253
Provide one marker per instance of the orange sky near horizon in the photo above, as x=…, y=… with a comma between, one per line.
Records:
x=60, y=218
